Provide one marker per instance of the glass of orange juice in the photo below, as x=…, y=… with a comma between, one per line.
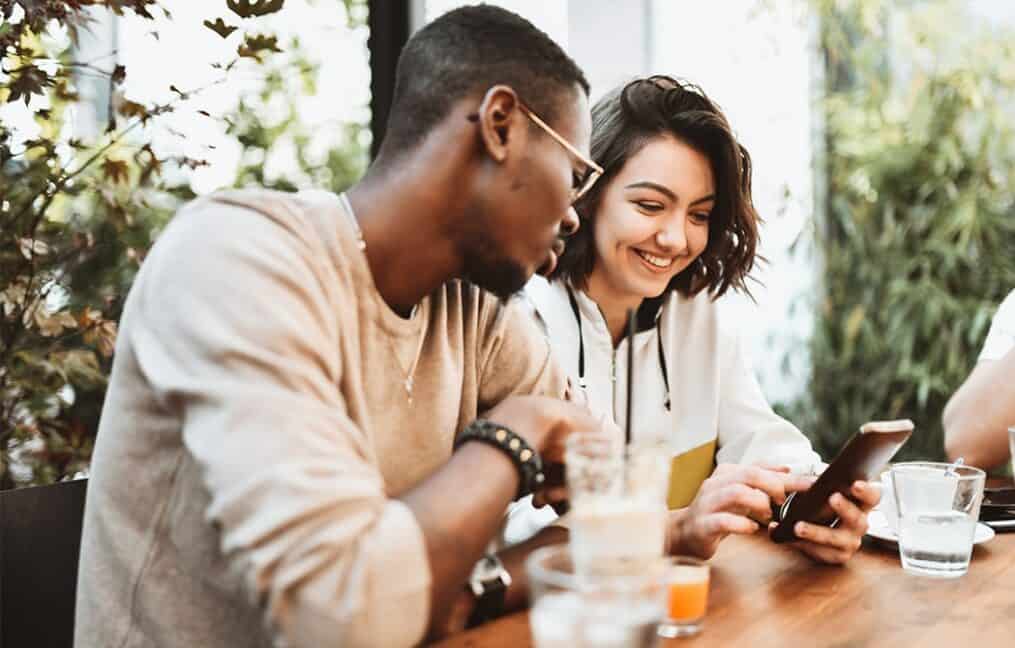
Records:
x=686, y=582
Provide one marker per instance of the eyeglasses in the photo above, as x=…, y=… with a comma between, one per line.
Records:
x=592, y=170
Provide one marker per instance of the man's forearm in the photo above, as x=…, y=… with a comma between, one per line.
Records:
x=978, y=415
x=460, y=508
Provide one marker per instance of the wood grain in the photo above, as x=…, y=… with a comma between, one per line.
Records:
x=769, y=595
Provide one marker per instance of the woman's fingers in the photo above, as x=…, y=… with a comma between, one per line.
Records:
x=867, y=495
x=739, y=499
x=776, y=485
x=851, y=517
x=723, y=524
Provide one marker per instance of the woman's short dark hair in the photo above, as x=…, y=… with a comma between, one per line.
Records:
x=627, y=119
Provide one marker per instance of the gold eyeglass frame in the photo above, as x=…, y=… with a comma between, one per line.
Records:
x=593, y=170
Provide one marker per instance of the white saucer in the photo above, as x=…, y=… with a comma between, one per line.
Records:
x=878, y=528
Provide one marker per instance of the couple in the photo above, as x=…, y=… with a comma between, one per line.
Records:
x=320, y=407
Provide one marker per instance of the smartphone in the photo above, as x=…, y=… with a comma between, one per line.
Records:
x=860, y=459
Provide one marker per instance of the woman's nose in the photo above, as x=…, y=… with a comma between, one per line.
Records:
x=672, y=237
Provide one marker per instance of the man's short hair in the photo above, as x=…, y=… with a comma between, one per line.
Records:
x=469, y=50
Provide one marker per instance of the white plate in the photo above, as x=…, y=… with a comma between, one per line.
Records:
x=877, y=527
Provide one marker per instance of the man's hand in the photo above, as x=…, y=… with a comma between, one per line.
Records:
x=734, y=499
x=836, y=546
x=545, y=423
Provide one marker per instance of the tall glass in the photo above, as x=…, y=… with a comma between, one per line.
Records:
x=938, y=506
x=618, y=501
x=620, y=609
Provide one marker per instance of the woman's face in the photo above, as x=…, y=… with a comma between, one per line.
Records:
x=652, y=220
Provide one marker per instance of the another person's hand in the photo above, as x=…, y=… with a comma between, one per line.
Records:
x=837, y=545
x=734, y=499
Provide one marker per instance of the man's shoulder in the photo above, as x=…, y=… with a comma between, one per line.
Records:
x=1005, y=316
x=290, y=210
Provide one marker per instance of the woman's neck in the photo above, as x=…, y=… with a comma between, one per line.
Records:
x=613, y=304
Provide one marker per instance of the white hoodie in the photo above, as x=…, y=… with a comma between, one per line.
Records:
x=717, y=413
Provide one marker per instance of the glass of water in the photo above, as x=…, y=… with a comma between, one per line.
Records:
x=619, y=609
x=938, y=505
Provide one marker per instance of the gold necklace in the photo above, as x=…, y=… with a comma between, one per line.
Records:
x=409, y=373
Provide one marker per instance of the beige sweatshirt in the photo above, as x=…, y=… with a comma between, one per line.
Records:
x=256, y=432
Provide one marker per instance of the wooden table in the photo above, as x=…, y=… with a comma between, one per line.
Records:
x=767, y=595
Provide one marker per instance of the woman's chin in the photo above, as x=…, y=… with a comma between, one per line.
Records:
x=647, y=289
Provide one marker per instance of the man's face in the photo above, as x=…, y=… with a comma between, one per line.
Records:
x=515, y=226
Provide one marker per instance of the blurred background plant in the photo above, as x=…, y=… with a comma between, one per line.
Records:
x=918, y=237
x=79, y=212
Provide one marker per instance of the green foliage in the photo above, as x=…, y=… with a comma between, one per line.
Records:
x=77, y=217
x=919, y=243
x=333, y=167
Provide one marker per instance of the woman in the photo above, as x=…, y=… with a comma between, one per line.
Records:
x=667, y=230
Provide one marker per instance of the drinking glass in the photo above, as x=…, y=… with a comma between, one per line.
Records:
x=618, y=501
x=620, y=609
x=685, y=580
x=938, y=506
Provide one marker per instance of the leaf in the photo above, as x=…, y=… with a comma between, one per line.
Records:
x=853, y=323
x=32, y=248
x=53, y=324
x=180, y=93
x=129, y=109
x=115, y=170
x=220, y=27
x=103, y=336
x=252, y=8
x=89, y=317
x=13, y=297
x=119, y=74
x=27, y=81
x=81, y=364
x=254, y=46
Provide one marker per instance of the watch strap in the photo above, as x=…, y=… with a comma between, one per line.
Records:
x=488, y=584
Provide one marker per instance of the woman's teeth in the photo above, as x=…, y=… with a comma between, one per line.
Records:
x=659, y=262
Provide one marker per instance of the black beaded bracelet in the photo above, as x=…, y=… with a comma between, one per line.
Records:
x=526, y=459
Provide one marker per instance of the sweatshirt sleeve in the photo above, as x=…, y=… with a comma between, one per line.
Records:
x=749, y=430
x=236, y=328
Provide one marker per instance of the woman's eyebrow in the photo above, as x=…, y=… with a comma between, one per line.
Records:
x=645, y=184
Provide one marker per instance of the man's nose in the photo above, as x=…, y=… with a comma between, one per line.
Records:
x=571, y=223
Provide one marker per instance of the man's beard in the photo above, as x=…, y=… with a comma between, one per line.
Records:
x=501, y=276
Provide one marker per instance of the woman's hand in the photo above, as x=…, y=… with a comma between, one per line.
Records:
x=734, y=499
x=837, y=545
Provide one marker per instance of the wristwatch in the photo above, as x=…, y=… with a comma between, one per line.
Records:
x=489, y=583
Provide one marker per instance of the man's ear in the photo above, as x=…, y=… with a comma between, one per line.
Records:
x=500, y=121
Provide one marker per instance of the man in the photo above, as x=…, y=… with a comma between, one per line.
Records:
x=276, y=460
x=978, y=415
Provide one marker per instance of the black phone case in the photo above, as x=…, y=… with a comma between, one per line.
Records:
x=859, y=460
